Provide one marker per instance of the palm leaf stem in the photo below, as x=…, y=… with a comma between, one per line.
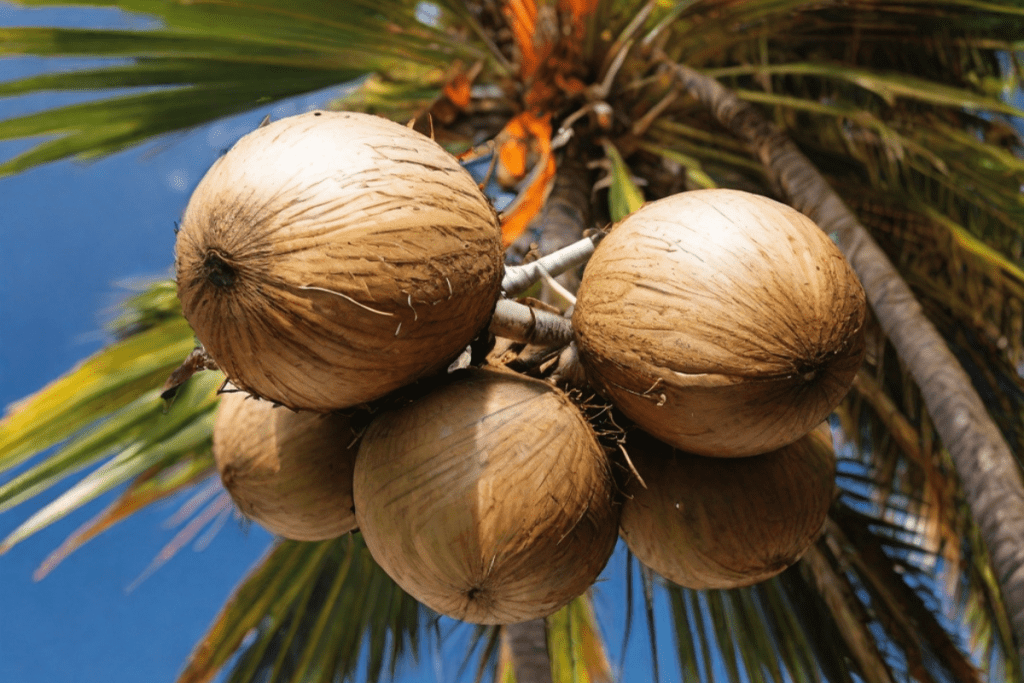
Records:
x=987, y=468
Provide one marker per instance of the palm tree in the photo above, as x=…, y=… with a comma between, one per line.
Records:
x=887, y=123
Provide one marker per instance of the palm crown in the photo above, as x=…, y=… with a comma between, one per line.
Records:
x=884, y=122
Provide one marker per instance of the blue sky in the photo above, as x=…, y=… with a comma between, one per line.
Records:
x=74, y=238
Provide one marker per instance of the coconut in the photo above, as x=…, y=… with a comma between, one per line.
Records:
x=331, y=257
x=488, y=500
x=290, y=472
x=722, y=322
x=726, y=522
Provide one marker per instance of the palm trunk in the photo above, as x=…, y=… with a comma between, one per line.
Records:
x=989, y=473
x=528, y=643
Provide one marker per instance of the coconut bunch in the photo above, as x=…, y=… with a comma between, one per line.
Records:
x=340, y=262
x=327, y=260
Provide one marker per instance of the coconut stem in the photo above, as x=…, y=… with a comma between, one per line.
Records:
x=569, y=370
x=519, y=278
x=196, y=361
x=518, y=321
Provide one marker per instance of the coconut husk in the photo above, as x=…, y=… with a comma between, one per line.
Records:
x=488, y=500
x=726, y=522
x=290, y=472
x=331, y=257
x=722, y=322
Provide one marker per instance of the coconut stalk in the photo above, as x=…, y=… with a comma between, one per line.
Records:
x=983, y=460
x=520, y=278
x=522, y=323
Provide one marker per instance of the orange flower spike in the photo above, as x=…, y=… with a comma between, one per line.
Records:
x=516, y=218
x=539, y=128
x=458, y=91
x=513, y=148
x=512, y=160
x=529, y=203
x=580, y=9
x=522, y=19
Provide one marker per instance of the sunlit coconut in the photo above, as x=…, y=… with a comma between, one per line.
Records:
x=290, y=472
x=722, y=322
x=331, y=257
x=489, y=500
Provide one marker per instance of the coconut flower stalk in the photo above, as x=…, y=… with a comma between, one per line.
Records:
x=488, y=500
x=329, y=258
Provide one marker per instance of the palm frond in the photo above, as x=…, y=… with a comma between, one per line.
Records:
x=100, y=385
x=891, y=87
x=578, y=652
x=109, y=410
x=156, y=484
x=182, y=432
x=765, y=632
x=907, y=542
x=624, y=196
x=207, y=61
x=316, y=611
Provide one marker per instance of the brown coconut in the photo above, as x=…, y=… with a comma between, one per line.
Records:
x=331, y=257
x=722, y=322
x=726, y=522
x=489, y=500
x=290, y=472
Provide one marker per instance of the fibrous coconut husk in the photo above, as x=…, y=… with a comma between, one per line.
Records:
x=290, y=472
x=488, y=500
x=331, y=257
x=726, y=522
x=722, y=322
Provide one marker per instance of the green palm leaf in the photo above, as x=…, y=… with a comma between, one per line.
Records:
x=183, y=432
x=208, y=61
x=316, y=608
